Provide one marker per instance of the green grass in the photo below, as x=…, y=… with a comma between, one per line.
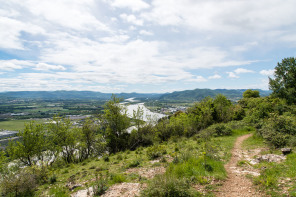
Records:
x=16, y=125
x=253, y=142
x=276, y=176
x=191, y=167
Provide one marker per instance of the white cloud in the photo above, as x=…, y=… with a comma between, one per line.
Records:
x=267, y=72
x=45, y=67
x=134, y=5
x=11, y=65
x=242, y=71
x=146, y=33
x=197, y=79
x=226, y=16
x=116, y=39
x=11, y=31
x=66, y=13
x=102, y=45
x=132, y=19
x=232, y=75
x=244, y=47
x=216, y=76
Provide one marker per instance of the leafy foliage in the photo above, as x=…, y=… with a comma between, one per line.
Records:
x=283, y=84
x=115, y=121
x=251, y=94
x=168, y=185
x=32, y=144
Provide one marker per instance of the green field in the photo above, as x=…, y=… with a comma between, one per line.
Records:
x=15, y=125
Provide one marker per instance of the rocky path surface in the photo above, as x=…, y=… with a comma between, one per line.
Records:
x=237, y=184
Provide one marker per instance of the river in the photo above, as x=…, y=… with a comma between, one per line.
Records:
x=147, y=114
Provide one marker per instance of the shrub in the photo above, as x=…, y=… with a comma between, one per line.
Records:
x=133, y=164
x=119, y=157
x=117, y=178
x=18, y=184
x=220, y=130
x=167, y=185
x=155, y=151
x=100, y=186
x=52, y=179
x=106, y=158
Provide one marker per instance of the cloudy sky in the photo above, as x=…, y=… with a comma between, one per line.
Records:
x=143, y=45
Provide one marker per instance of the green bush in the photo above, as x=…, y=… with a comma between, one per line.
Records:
x=167, y=185
x=278, y=131
x=52, y=179
x=133, y=164
x=117, y=178
x=155, y=151
x=18, y=184
x=220, y=130
x=106, y=158
x=100, y=187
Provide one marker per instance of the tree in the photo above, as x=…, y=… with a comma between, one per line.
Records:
x=91, y=143
x=138, y=117
x=251, y=94
x=222, y=108
x=3, y=160
x=115, y=122
x=284, y=83
x=32, y=143
x=63, y=138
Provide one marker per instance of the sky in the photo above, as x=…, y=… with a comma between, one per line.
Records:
x=145, y=46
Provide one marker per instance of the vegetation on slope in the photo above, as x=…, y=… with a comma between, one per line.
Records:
x=198, y=142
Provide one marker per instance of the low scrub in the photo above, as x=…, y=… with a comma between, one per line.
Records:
x=168, y=185
x=155, y=151
x=221, y=129
x=196, y=168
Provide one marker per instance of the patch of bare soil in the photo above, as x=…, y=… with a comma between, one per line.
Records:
x=237, y=184
x=148, y=173
x=124, y=190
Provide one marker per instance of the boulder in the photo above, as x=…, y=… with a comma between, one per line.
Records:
x=286, y=151
x=270, y=158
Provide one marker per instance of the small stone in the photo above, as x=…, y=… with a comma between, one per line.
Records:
x=286, y=151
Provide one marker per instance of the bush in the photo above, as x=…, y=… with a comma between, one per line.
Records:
x=106, y=158
x=278, y=131
x=18, y=184
x=52, y=179
x=155, y=151
x=220, y=130
x=133, y=164
x=117, y=178
x=100, y=187
x=167, y=185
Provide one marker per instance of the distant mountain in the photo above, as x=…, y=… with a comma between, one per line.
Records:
x=183, y=96
x=64, y=95
x=199, y=94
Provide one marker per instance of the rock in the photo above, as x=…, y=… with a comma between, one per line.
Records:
x=286, y=151
x=84, y=193
x=271, y=158
x=73, y=186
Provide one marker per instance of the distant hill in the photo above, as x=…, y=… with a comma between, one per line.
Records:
x=199, y=94
x=183, y=96
x=64, y=95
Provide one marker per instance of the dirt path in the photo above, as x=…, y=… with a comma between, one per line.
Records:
x=237, y=184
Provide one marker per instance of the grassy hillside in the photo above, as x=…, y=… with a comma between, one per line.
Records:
x=177, y=159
